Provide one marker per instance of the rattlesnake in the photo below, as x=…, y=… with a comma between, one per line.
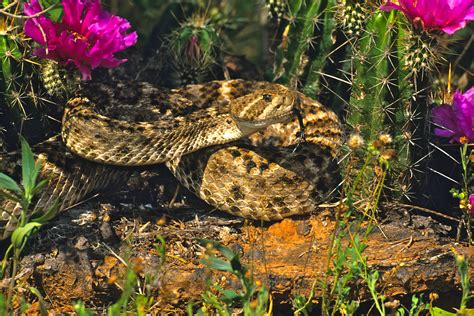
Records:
x=269, y=175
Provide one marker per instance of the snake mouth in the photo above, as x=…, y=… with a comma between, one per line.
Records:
x=261, y=124
x=291, y=110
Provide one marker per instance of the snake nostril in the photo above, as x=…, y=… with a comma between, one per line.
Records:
x=267, y=97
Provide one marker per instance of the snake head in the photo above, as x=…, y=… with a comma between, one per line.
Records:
x=264, y=107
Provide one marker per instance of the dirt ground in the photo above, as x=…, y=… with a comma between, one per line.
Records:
x=83, y=253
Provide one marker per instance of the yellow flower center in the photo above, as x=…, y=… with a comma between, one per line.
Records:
x=78, y=36
x=463, y=140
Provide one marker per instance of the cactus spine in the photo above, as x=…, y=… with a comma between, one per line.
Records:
x=18, y=91
x=292, y=54
x=276, y=8
x=194, y=51
x=384, y=60
x=371, y=79
x=390, y=63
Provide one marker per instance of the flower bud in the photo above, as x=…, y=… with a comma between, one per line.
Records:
x=355, y=141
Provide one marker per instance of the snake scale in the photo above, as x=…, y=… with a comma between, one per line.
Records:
x=235, y=144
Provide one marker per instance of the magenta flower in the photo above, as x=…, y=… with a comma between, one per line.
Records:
x=471, y=201
x=456, y=121
x=87, y=36
x=446, y=15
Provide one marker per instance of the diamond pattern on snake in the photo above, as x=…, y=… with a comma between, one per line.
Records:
x=235, y=144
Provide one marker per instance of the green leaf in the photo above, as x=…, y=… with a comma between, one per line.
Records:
x=236, y=265
x=5, y=259
x=436, y=311
x=56, y=13
x=217, y=264
x=21, y=234
x=225, y=251
x=49, y=214
x=8, y=183
x=120, y=305
x=372, y=279
x=4, y=306
x=81, y=309
x=39, y=186
x=230, y=295
x=40, y=300
x=27, y=162
x=161, y=248
x=29, y=168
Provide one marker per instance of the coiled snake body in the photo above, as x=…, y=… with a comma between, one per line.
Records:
x=265, y=172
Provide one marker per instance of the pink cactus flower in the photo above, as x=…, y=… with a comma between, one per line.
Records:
x=471, y=201
x=456, y=121
x=445, y=15
x=87, y=36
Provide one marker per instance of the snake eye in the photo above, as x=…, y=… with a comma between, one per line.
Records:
x=267, y=97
